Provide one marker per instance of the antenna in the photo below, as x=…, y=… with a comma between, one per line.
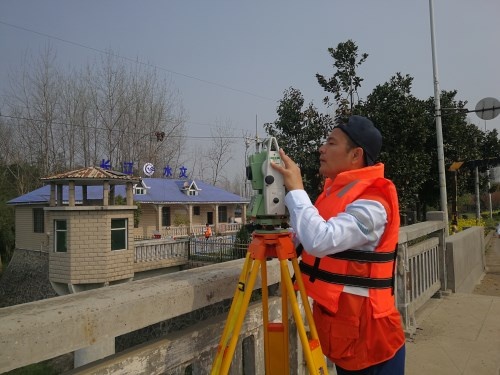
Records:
x=256, y=136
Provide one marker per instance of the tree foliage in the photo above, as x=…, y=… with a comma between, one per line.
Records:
x=7, y=224
x=461, y=142
x=344, y=83
x=303, y=130
x=66, y=120
x=54, y=120
x=404, y=123
x=300, y=131
x=407, y=124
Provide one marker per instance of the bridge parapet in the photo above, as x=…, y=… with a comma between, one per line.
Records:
x=36, y=331
x=420, y=267
x=41, y=330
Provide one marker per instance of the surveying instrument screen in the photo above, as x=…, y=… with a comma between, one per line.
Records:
x=270, y=241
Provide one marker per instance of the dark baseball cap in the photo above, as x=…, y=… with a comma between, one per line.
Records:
x=365, y=135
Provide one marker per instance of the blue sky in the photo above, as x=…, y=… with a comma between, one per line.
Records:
x=232, y=60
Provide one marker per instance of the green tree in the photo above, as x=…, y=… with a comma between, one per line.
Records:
x=462, y=141
x=403, y=121
x=344, y=83
x=7, y=221
x=301, y=131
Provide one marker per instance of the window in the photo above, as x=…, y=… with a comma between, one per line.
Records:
x=222, y=214
x=165, y=217
x=139, y=190
x=60, y=236
x=190, y=192
x=38, y=220
x=196, y=210
x=119, y=234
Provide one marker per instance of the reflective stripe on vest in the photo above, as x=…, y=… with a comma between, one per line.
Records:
x=335, y=278
x=354, y=255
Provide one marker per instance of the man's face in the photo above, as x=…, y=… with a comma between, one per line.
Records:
x=335, y=155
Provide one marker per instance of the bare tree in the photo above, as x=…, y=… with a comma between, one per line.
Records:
x=142, y=117
x=219, y=153
x=156, y=125
x=106, y=111
x=33, y=101
x=108, y=95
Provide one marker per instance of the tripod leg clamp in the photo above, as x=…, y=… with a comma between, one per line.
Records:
x=241, y=286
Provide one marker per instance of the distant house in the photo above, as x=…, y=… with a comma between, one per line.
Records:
x=102, y=227
x=170, y=204
x=167, y=207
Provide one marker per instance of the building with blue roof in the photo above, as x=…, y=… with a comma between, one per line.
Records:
x=102, y=227
x=168, y=207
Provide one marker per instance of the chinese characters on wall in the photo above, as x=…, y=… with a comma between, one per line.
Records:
x=148, y=169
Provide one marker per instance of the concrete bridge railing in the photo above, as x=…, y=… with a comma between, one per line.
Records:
x=88, y=322
x=420, y=266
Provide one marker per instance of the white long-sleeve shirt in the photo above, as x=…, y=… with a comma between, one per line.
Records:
x=360, y=227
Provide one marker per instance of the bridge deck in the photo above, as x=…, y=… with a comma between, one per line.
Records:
x=460, y=333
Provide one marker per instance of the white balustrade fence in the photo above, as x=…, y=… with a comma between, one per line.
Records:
x=160, y=249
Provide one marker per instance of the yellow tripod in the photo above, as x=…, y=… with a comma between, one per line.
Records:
x=264, y=245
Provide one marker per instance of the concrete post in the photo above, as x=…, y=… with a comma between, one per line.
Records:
x=159, y=209
x=244, y=214
x=105, y=194
x=52, y=201
x=190, y=210
x=130, y=194
x=402, y=289
x=440, y=216
x=99, y=350
x=216, y=229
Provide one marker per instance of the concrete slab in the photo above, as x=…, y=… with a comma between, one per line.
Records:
x=457, y=334
x=492, y=256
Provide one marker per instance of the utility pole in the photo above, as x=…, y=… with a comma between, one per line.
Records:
x=439, y=128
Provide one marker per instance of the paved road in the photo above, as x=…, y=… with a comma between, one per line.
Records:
x=460, y=333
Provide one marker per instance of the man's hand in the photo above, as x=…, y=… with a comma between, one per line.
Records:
x=290, y=171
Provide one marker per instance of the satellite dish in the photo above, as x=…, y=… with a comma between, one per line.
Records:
x=488, y=108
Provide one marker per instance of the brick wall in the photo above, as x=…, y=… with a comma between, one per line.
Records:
x=89, y=258
x=26, y=238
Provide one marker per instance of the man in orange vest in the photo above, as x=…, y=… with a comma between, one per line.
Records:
x=208, y=231
x=349, y=237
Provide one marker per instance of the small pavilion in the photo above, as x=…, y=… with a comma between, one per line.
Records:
x=91, y=244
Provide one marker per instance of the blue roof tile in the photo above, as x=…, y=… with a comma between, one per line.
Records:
x=159, y=190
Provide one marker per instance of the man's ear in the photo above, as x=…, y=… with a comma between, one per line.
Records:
x=358, y=155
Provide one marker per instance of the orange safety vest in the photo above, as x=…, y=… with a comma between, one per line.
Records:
x=208, y=232
x=365, y=331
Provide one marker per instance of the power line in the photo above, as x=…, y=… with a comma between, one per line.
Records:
x=136, y=61
x=115, y=130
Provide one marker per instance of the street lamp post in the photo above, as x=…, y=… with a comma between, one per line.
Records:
x=439, y=130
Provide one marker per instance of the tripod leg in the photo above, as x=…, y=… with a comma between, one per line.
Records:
x=234, y=309
x=276, y=346
x=303, y=296
x=239, y=306
x=315, y=359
